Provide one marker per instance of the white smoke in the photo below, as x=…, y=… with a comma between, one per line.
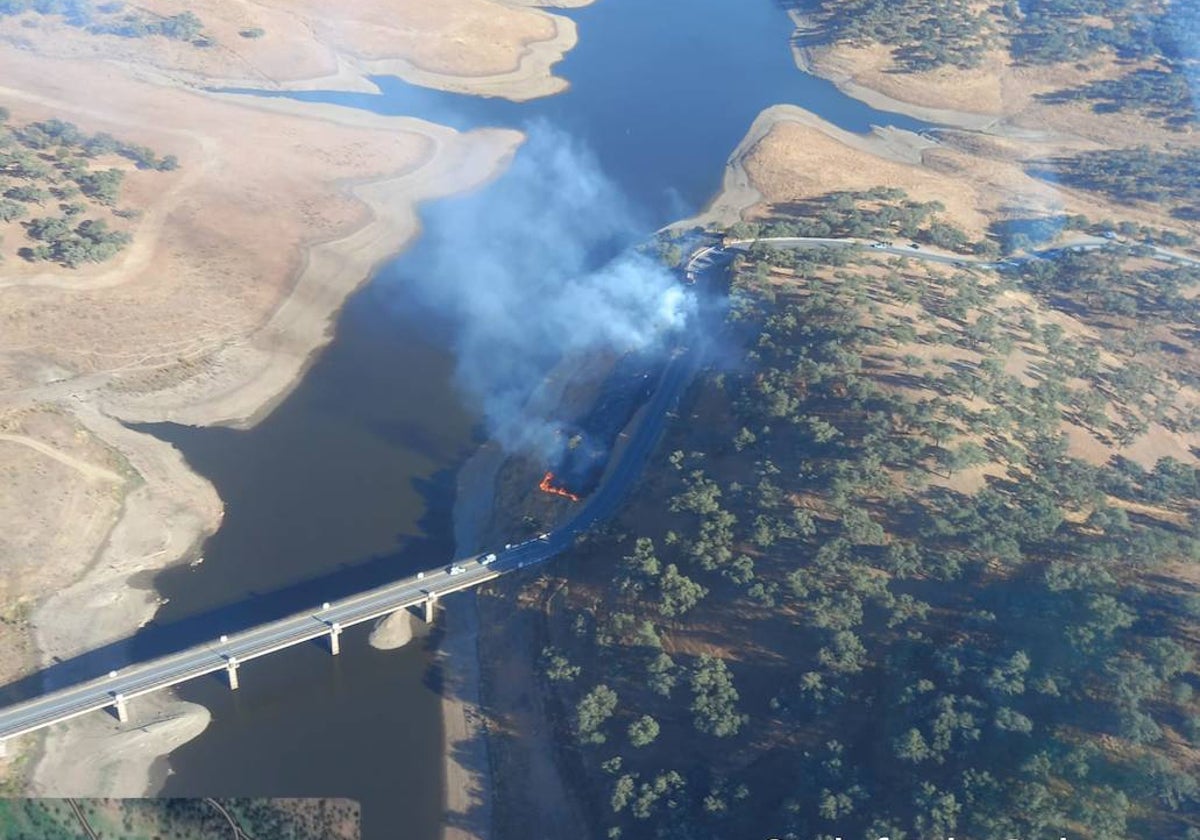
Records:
x=512, y=266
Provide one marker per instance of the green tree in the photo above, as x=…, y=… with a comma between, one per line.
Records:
x=1011, y=720
x=643, y=731
x=596, y=707
x=911, y=747
x=661, y=674
x=678, y=593
x=556, y=666
x=714, y=698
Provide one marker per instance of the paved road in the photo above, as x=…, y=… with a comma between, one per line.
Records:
x=241, y=647
x=920, y=252
x=216, y=655
x=715, y=254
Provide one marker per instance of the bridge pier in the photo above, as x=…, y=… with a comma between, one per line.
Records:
x=335, y=630
x=231, y=666
x=430, y=604
x=119, y=705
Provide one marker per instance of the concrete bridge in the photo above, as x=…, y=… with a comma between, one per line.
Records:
x=227, y=653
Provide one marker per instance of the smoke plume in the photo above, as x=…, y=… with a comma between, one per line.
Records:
x=514, y=267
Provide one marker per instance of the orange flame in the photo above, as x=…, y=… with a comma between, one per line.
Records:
x=547, y=486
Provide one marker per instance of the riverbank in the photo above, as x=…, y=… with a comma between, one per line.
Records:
x=741, y=191
x=467, y=788
x=484, y=516
x=195, y=323
x=105, y=603
x=505, y=48
x=484, y=47
x=981, y=176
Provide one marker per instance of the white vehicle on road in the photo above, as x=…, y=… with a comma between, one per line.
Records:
x=487, y=559
x=455, y=570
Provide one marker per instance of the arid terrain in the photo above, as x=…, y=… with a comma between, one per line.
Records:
x=478, y=46
x=194, y=320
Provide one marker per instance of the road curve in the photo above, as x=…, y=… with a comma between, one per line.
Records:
x=229, y=652
x=225, y=651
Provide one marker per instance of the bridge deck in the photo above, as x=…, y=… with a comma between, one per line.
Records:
x=237, y=648
x=234, y=649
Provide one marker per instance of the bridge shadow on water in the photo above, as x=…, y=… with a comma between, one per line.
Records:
x=348, y=578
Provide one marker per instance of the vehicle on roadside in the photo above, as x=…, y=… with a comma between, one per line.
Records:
x=420, y=576
x=914, y=246
x=545, y=536
x=487, y=559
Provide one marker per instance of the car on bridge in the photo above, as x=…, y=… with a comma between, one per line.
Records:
x=455, y=570
x=487, y=560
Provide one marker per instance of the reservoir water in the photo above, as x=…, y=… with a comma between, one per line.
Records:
x=349, y=482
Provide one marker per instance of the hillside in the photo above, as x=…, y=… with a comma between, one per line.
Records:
x=919, y=557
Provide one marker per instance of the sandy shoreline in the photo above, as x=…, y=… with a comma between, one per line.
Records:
x=467, y=788
x=532, y=76
x=252, y=376
x=167, y=510
x=273, y=362
x=173, y=509
x=528, y=75
x=738, y=192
